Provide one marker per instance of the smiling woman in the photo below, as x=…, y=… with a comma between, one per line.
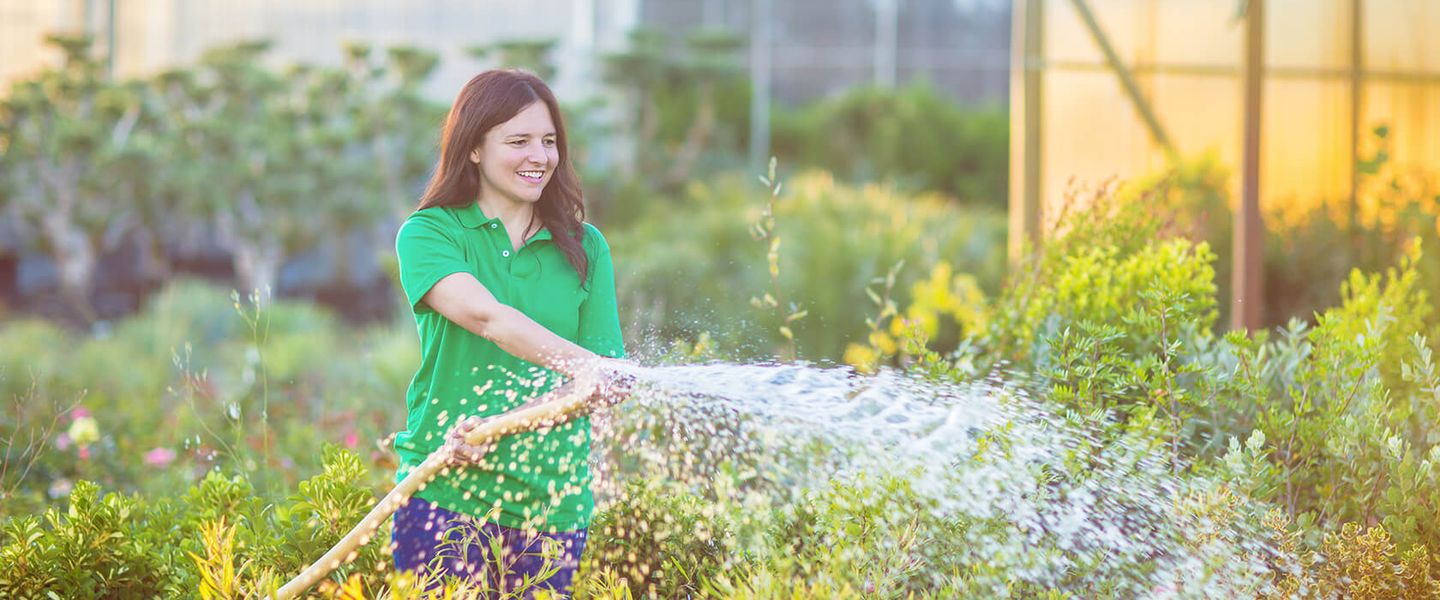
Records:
x=512, y=292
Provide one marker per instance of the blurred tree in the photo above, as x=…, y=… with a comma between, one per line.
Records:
x=70, y=164
x=392, y=115
x=373, y=139
x=713, y=58
x=244, y=130
x=649, y=73
x=414, y=120
x=638, y=72
x=530, y=55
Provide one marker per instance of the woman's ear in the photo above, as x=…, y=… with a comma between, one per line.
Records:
x=475, y=156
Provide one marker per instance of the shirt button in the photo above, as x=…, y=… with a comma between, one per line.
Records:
x=494, y=225
x=505, y=253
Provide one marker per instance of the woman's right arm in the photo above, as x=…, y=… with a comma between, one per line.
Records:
x=465, y=301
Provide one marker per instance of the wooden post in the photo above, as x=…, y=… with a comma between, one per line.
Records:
x=1026, y=63
x=1357, y=69
x=1247, y=281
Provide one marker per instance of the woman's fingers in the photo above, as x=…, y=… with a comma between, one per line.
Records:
x=467, y=454
x=469, y=424
x=461, y=452
x=614, y=389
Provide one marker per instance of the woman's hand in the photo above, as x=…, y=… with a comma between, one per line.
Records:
x=461, y=453
x=617, y=383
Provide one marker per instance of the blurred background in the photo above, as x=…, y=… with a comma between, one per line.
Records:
x=199, y=200
x=277, y=145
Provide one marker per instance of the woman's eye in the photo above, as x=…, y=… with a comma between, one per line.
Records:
x=549, y=142
x=517, y=143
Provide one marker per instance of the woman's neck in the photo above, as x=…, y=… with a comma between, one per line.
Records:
x=515, y=215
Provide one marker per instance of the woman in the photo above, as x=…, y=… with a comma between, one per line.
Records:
x=511, y=291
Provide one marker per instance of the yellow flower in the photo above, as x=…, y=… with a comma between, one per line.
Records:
x=862, y=357
x=84, y=431
x=882, y=343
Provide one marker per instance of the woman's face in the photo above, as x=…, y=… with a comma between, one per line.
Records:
x=518, y=156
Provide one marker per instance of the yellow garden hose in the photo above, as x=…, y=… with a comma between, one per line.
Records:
x=546, y=411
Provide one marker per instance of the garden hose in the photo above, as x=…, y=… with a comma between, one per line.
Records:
x=547, y=411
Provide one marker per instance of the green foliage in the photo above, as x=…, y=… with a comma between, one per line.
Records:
x=196, y=375
x=1309, y=250
x=101, y=546
x=837, y=238
x=273, y=158
x=913, y=136
x=864, y=535
x=683, y=102
x=69, y=160
x=1363, y=563
x=657, y=542
x=219, y=539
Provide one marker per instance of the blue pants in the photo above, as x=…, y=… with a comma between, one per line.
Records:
x=424, y=533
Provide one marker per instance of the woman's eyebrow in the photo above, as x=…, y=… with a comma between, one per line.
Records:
x=526, y=135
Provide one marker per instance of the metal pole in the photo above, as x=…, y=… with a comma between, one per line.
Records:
x=1247, y=278
x=713, y=16
x=887, y=24
x=110, y=44
x=1127, y=80
x=760, y=66
x=1027, y=20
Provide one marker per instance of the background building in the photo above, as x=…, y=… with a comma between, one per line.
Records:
x=150, y=35
x=819, y=47
x=1286, y=95
x=823, y=47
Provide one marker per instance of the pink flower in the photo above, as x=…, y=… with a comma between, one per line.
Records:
x=351, y=440
x=84, y=452
x=79, y=412
x=160, y=457
x=62, y=441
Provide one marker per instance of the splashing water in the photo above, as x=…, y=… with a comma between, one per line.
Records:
x=1025, y=496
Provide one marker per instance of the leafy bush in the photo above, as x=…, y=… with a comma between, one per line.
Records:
x=218, y=538
x=913, y=137
x=1116, y=315
x=198, y=379
x=659, y=543
x=694, y=267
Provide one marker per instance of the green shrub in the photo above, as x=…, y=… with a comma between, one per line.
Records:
x=694, y=267
x=913, y=137
x=202, y=376
x=659, y=542
x=108, y=545
x=102, y=546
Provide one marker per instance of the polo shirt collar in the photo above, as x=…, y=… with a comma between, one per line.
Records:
x=471, y=216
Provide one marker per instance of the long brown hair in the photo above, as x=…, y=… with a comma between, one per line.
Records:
x=489, y=99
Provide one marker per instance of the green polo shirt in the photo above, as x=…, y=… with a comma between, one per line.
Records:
x=535, y=479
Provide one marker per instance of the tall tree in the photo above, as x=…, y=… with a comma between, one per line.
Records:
x=391, y=114
x=244, y=138
x=70, y=163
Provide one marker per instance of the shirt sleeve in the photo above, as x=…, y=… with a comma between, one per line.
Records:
x=599, y=313
x=426, y=251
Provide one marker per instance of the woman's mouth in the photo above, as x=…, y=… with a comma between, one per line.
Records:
x=532, y=176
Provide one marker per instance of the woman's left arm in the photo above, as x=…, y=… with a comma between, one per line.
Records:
x=599, y=330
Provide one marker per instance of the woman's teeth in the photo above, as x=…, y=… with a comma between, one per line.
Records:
x=532, y=174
